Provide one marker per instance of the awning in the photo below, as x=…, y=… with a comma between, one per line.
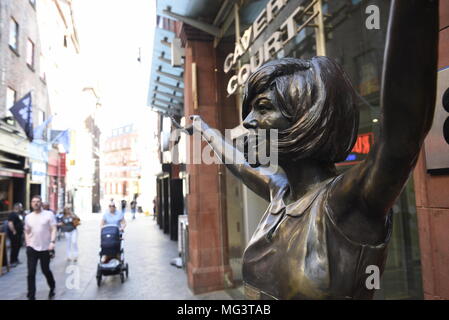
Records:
x=14, y=173
x=166, y=91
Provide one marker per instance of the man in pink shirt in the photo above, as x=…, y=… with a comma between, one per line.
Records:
x=40, y=235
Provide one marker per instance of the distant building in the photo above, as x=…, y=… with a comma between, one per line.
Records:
x=83, y=175
x=121, y=171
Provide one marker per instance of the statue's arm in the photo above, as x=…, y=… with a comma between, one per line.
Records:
x=257, y=179
x=407, y=108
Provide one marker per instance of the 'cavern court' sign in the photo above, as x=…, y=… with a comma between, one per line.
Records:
x=273, y=44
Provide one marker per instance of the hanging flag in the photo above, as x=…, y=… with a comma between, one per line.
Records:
x=39, y=131
x=22, y=112
x=62, y=137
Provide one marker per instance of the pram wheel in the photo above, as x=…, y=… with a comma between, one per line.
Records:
x=122, y=276
x=98, y=276
x=126, y=268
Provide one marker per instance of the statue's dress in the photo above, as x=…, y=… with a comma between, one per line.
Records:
x=299, y=252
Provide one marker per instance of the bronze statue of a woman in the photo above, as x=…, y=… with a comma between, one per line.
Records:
x=322, y=230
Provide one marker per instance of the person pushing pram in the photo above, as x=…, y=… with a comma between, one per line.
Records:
x=112, y=257
x=112, y=218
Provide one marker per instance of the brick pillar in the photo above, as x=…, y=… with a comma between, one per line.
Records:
x=208, y=267
x=432, y=201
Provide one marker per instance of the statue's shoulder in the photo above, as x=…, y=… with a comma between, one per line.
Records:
x=278, y=182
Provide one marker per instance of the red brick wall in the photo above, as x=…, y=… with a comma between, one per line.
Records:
x=432, y=200
x=208, y=267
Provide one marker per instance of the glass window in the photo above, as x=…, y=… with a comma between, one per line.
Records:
x=30, y=53
x=11, y=97
x=41, y=117
x=14, y=34
x=360, y=52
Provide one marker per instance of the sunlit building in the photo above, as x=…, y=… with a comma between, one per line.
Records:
x=29, y=49
x=121, y=170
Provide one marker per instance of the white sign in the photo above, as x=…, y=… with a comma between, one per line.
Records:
x=278, y=39
x=38, y=171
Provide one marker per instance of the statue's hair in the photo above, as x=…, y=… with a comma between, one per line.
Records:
x=317, y=97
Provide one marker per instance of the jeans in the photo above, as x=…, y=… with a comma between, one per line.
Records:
x=16, y=242
x=33, y=256
x=72, y=244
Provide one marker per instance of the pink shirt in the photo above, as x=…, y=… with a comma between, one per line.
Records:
x=38, y=226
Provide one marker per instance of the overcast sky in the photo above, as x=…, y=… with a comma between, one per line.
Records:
x=111, y=32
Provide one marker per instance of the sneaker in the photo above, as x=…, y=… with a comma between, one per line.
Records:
x=51, y=294
x=31, y=298
x=14, y=264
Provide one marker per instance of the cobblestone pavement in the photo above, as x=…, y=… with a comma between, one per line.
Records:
x=147, y=250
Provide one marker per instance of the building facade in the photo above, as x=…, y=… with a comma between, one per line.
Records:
x=223, y=43
x=24, y=164
x=121, y=166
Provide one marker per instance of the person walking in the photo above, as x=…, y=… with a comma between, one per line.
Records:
x=123, y=204
x=59, y=231
x=154, y=209
x=70, y=222
x=133, y=206
x=46, y=206
x=15, y=233
x=40, y=236
x=113, y=218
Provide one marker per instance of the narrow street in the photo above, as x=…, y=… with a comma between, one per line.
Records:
x=147, y=250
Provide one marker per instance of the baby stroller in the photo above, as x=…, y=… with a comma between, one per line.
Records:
x=112, y=250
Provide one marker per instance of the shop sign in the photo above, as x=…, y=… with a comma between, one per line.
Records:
x=275, y=42
x=361, y=149
x=38, y=171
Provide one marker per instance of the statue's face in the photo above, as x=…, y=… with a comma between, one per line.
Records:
x=264, y=115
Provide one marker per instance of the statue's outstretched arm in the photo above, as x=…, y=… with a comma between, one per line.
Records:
x=257, y=179
x=407, y=108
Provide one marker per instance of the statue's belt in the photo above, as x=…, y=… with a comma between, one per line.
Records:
x=252, y=293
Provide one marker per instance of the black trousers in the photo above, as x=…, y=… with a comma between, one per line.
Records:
x=33, y=256
x=16, y=243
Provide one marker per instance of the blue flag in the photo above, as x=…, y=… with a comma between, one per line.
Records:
x=22, y=112
x=39, y=131
x=62, y=137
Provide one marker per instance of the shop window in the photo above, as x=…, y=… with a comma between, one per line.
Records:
x=361, y=55
x=5, y=195
x=13, y=35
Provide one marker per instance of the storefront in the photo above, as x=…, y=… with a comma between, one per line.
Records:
x=13, y=171
x=223, y=44
x=56, y=178
x=359, y=50
x=12, y=181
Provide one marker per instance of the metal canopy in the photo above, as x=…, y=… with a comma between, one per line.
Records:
x=165, y=80
x=204, y=9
